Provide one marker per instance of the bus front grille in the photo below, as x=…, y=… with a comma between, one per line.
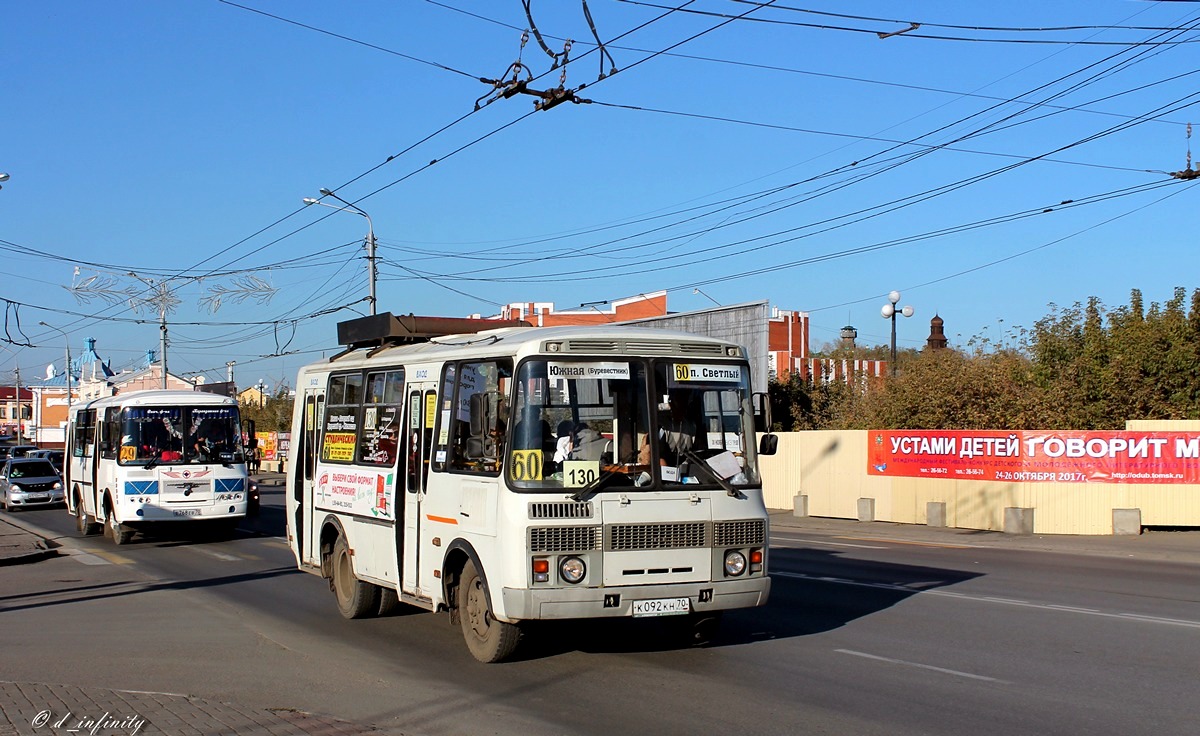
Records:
x=739, y=533
x=564, y=538
x=681, y=535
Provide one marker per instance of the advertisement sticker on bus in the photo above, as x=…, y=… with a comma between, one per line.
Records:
x=430, y=409
x=338, y=447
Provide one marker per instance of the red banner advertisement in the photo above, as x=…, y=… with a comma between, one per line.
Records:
x=1036, y=456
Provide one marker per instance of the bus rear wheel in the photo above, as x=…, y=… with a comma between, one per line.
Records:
x=355, y=599
x=488, y=639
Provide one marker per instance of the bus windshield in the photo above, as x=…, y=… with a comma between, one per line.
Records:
x=180, y=434
x=599, y=423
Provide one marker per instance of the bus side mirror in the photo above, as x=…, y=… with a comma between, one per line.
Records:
x=768, y=444
x=761, y=404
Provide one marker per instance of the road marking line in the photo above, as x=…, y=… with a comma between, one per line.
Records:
x=114, y=559
x=88, y=559
x=1160, y=619
x=1076, y=609
x=218, y=555
x=277, y=542
x=943, y=670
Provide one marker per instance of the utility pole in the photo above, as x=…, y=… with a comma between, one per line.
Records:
x=17, y=373
x=162, y=326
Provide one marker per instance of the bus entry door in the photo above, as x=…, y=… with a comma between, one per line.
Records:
x=420, y=413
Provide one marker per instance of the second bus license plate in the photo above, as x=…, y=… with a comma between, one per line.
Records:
x=662, y=607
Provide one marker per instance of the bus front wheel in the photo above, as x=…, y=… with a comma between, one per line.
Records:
x=120, y=533
x=488, y=639
x=83, y=522
x=355, y=599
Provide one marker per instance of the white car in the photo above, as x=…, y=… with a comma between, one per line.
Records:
x=26, y=482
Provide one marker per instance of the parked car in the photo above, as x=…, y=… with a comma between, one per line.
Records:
x=30, y=481
x=21, y=450
x=55, y=457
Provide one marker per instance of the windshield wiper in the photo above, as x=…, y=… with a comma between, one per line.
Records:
x=729, y=487
x=153, y=459
x=583, y=493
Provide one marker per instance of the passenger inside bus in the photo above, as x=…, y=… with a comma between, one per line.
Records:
x=209, y=441
x=677, y=427
x=590, y=444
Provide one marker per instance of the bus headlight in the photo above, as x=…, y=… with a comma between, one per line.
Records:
x=735, y=563
x=572, y=569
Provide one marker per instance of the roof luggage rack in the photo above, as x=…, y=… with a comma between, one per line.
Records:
x=381, y=330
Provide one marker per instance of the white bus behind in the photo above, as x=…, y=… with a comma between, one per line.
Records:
x=155, y=457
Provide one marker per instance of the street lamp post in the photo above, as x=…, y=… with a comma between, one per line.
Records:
x=706, y=296
x=889, y=311
x=370, y=236
x=3, y=177
x=68, y=344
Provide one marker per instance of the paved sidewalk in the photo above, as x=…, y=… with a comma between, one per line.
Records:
x=43, y=709
x=29, y=709
x=18, y=545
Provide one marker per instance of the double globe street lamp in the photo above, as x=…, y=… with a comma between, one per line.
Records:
x=890, y=311
x=68, y=344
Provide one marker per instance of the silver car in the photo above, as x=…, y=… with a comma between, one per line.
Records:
x=28, y=482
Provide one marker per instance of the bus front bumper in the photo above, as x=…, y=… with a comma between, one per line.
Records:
x=522, y=604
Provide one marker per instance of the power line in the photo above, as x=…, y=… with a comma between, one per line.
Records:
x=911, y=31
x=385, y=50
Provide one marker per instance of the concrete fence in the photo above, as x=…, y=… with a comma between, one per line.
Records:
x=825, y=474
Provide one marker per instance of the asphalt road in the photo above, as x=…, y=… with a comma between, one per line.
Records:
x=862, y=636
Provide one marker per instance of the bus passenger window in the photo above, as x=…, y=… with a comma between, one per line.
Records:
x=472, y=423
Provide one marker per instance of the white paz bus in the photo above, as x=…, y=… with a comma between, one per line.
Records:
x=155, y=457
x=519, y=474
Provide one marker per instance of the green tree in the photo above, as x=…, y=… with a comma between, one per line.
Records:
x=1079, y=367
x=275, y=413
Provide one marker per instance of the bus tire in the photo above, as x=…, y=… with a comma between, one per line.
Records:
x=699, y=629
x=389, y=601
x=83, y=522
x=355, y=599
x=488, y=639
x=120, y=533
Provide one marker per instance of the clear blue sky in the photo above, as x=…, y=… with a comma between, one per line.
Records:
x=799, y=158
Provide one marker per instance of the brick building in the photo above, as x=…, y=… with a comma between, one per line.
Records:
x=787, y=332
